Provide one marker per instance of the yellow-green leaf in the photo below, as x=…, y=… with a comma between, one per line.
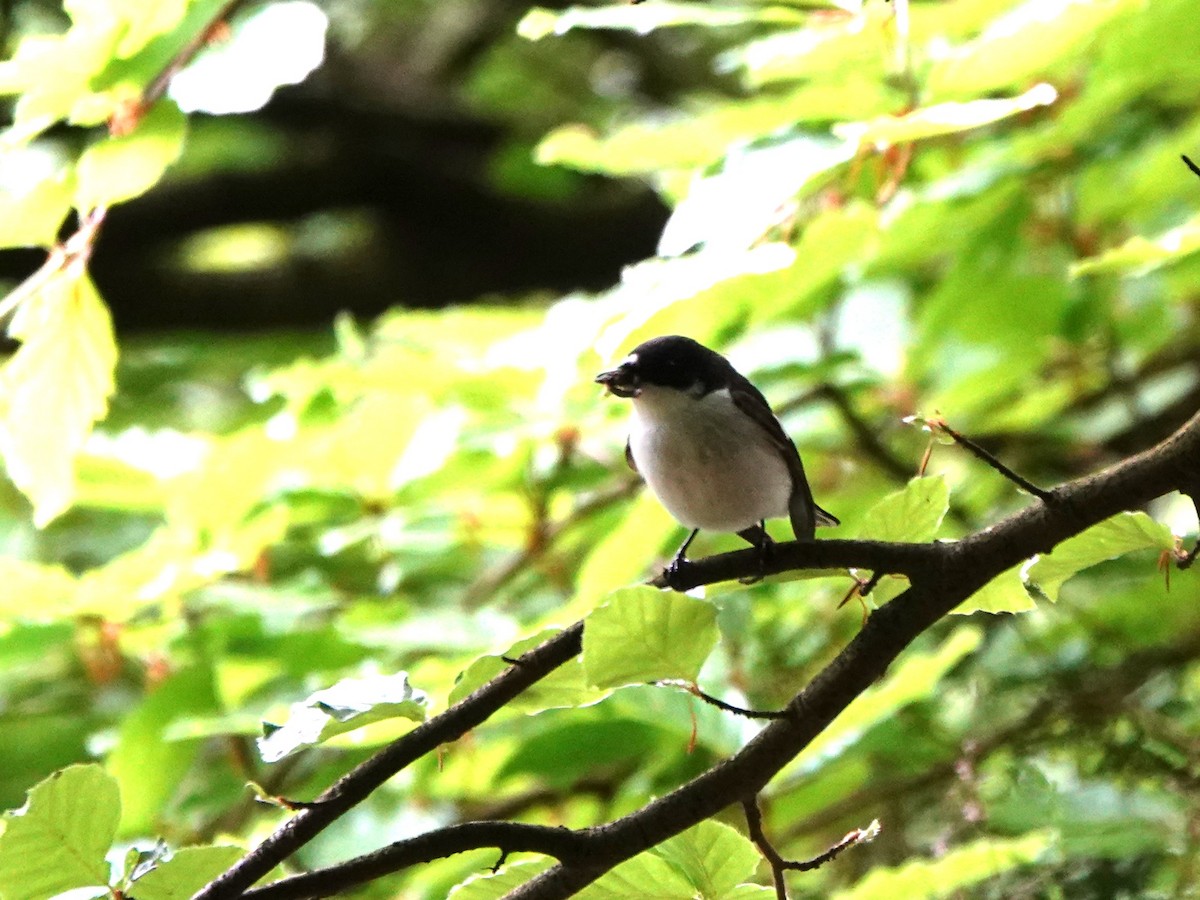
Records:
x=539, y=23
x=59, y=840
x=54, y=388
x=643, y=635
x=118, y=168
x=942, y=118
x=949, y=874
x=1140, y=255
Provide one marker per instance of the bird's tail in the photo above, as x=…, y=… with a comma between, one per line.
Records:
x=826, y=518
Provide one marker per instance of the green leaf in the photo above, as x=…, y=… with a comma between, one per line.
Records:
x=642, y=634
x=625, y=553
x=32, y=209
x=1024, y=43
x=57, y=842
x=645, y=877
x=943, y=118
x=148, y=766
x=539, y=22
x=698, y=138
x=184, y=873
x=54, y=388
x=32, y=589
x=1006, y=593
x=712, y=856
x=494, y=885
x=914, y=679
x=735, y=207
x=119, y=168
x=1140, y=255
x=347, y=705
x=1124, y=533
x=565, y=687
x=144, y=20
x=948, y=875
x=912, y=514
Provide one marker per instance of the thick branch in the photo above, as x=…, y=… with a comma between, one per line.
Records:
x=913, y=560
x=354, y=787
x=963, y=568
x=943, y=575
x=507, y=837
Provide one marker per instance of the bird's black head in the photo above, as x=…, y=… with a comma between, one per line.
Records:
x=670, y=361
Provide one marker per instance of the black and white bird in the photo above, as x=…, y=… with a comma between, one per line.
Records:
x=708, y=445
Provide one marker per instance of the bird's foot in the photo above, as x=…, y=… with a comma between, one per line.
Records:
x=673, y=572
x=766, y=550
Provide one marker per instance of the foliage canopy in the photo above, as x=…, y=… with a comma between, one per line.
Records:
x=972, y=210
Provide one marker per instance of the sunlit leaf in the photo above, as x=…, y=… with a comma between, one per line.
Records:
x=948, y=875
x=642, y=634
x=54, y=388
x=944, y=118
x=566, y=686
x=732, y=209
x=647, y=876
x=146, y=764
x=1022, y=44
x=712, y=856
x=913, y=514
x=494, y=885
x=58, y=841
x=1006, y=593
x=351, y=703
x=1140, y=255
x=32, y=213
x=539, y=23
x=1124, y=533
x=120, y=168
x=33, y=589
x=673, y=141
x=185, y=872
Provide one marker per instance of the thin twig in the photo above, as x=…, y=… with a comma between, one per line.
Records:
x=158, y=86
x=963, y=441
x=779, y=865
x=1191, y=165
x=694, y=689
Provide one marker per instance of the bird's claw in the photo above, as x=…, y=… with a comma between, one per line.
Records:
x=673, y=571
x=765, y=552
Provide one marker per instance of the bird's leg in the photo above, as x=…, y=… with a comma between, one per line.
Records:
x=758, y=537
x=672, y=568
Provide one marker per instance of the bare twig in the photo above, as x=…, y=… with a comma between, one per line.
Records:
x=1191, y=165
x=963, y=441
x=158, y=86
x=779, y=865
x=694, y=689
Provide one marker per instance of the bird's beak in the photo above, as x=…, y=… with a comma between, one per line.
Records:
x=620, y=381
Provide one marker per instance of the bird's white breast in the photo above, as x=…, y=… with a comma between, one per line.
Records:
x=707, y=462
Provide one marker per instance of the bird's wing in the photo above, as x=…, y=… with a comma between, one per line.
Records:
x=629, y=457
x=803, y=511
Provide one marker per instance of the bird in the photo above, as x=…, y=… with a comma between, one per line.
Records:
x=709, y=447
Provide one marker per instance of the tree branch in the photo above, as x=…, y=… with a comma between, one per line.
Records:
x=958, y=571
x=942, y=575
x=507, y=837
x=354, y=787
